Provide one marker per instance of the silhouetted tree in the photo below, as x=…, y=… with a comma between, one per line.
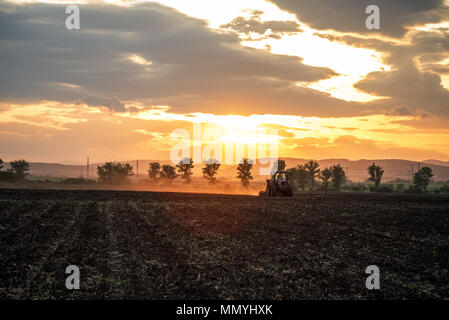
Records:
x=114, y=172
x=278, y=165
x=168, y=173
x=422, y=178
x=299, y=176
x=400, y=187
x=244, y=172
x=210, y=170
x=19, y=168
x=6, y=175
x=375, y=173
x=338, y=177
x=185, y=167
x=325, y=176
x=153, y=172
x=312, y=170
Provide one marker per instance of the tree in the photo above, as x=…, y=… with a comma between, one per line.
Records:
x=114, y=172
x=338, y=177
x=422, y=178
x=185, y=167
x=168, y=173
x=153, y=172
x=312, y=170
x=210, y=170
x=299, y=176
x=279, y=165
x=19, y=168
x=325, y=176
x=244, y=172
x=6, y=175
x=375, y=173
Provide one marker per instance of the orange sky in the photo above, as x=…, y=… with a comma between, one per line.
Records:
x=249, y=72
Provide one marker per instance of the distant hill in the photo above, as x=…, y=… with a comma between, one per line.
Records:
x=437, y=162
x=356, y=170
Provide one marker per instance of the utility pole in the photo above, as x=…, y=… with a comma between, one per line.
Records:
x=87, y=168
x=137, y=169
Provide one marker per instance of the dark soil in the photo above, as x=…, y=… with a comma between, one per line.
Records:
x=145, y=245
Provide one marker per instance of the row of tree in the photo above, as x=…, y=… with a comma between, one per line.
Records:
x=18, y=169
x=332, y=178
x=112, y=172
x=421, y=178
x=303, y=176
x=306, y=175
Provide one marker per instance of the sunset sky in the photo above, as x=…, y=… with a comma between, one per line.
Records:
x=306, y=73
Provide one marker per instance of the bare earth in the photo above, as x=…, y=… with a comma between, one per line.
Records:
x=150, y=245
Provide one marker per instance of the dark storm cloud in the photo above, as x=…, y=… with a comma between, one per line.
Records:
x=193, y=69
x=349, y=15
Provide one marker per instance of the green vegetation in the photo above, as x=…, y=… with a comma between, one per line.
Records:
x=153, y=172
x=168, y=173
x=185, y=167
x=376, y=173
x=17, y=172
x=210, y=170
x=338, y=177
x=114, y=173
x=325, y=177
x=303, y=177
x=422, y=178
x=299, y=176
x=244, y=172
x=312, y=171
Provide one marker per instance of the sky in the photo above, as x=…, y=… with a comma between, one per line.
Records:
x=306, y=75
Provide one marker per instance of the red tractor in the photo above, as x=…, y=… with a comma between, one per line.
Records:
x=279, y=184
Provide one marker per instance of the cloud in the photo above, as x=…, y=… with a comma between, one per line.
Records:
x=416, y=65
x=351, y=147
x=193, y=68
x=154, y=55
x=349, y=15
x=254, y=24
x=113, y=103
x=400, y=111
x=409, y=87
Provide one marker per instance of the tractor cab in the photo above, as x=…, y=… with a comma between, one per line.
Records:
x=279, y=184
x=280, y=177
